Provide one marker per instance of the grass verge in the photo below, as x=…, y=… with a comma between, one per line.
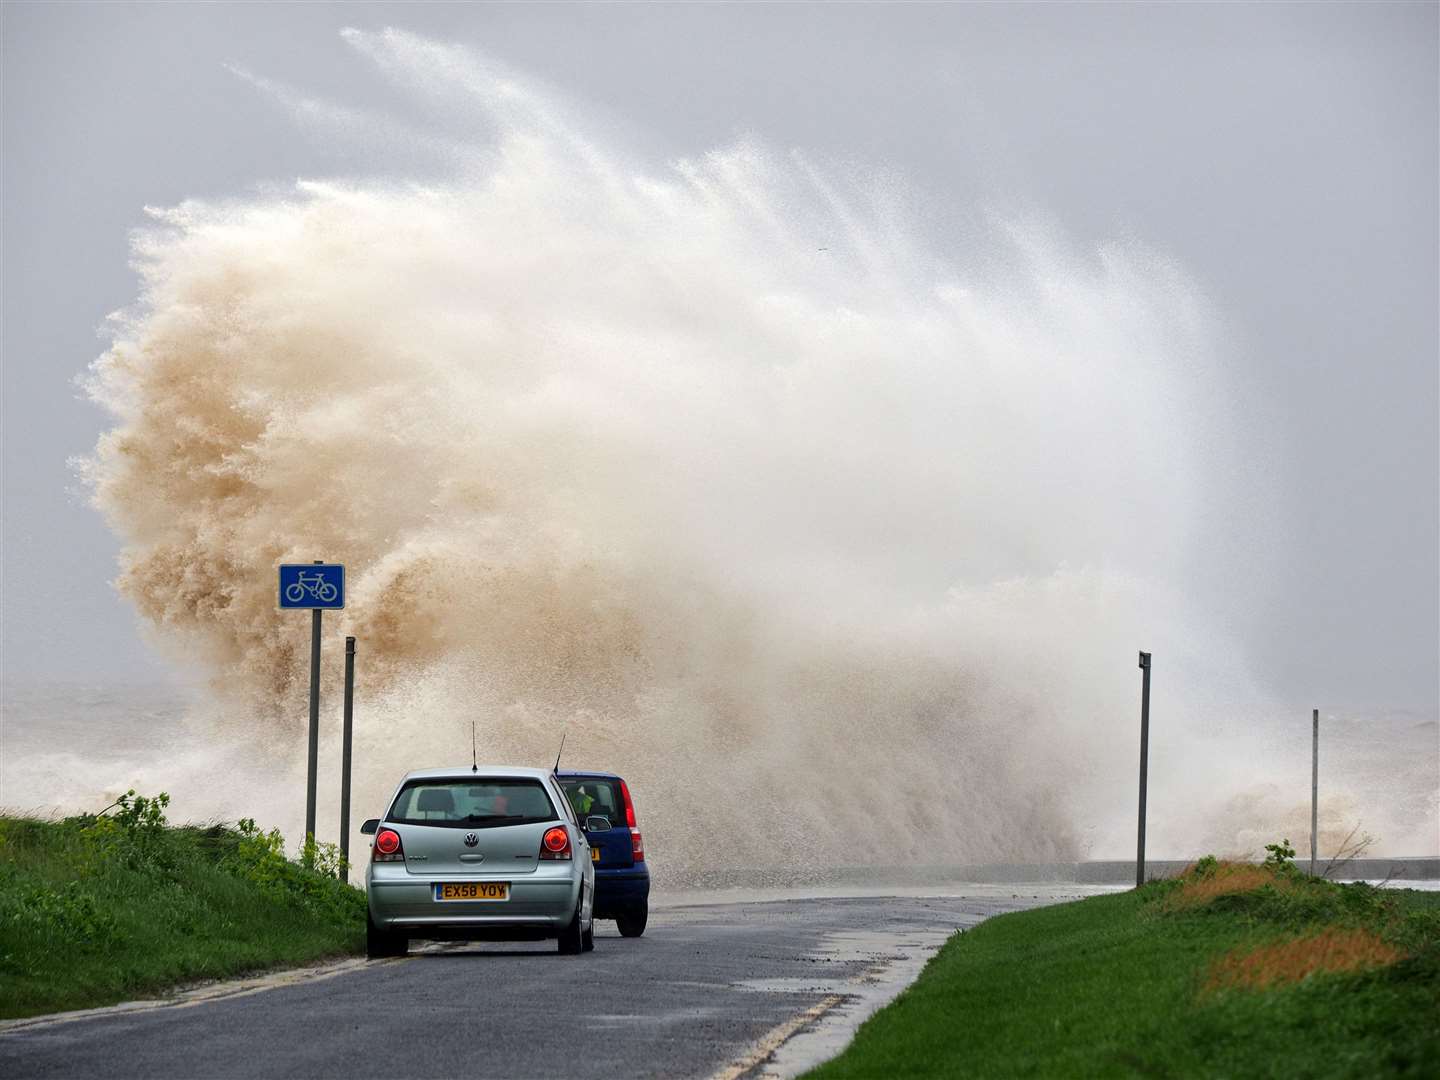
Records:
x=1228, y=971
x=104, y=908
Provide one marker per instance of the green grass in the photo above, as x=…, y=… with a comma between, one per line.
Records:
x=1117, y=986
x=96, y=910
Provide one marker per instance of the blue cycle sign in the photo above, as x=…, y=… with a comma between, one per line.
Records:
x=312, y=585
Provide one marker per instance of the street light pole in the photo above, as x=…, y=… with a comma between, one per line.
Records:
x=1314, y=783
x=1144, y=763
x=345, y=759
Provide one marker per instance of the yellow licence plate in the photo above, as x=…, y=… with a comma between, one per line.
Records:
x=473, y=890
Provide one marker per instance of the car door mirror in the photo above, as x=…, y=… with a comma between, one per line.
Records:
x=597, y=823
x=370, y=826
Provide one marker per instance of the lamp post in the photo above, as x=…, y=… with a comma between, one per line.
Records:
x=345, y=758
x=1314, y=783
x=1144, y=763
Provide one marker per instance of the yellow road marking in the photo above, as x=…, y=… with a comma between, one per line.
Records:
x=201, y=995
x=776, y=1037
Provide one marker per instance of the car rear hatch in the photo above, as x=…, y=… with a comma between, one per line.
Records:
x=475, y=825
x=613, y=846
x=601, y=797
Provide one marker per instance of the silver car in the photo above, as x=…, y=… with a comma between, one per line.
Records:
x=479, y=853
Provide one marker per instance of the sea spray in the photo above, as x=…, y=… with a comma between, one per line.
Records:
x=839, y=544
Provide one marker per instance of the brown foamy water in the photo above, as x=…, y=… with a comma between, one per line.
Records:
x=832, y=548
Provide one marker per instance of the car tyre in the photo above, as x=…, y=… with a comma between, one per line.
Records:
x=380, y=944
x=588, y=936
x=632, y=924
x=572, y=940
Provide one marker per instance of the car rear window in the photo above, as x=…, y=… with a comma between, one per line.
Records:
x=590, y=797
x=472, y=803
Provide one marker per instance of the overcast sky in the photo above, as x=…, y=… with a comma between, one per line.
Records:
x=1284, y=155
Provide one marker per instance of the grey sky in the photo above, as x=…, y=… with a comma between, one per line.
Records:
x=1285, y=155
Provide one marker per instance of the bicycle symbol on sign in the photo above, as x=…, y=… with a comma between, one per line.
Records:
x=314, y=584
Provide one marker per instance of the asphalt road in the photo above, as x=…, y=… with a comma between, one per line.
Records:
x=713, y=988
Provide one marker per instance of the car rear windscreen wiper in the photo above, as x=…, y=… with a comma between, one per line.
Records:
x=495, y=819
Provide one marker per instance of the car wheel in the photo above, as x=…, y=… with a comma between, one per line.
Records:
x=632, y=924
x=380, y=944
x=572, y=941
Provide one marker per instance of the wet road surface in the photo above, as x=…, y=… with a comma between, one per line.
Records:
x=730, y=988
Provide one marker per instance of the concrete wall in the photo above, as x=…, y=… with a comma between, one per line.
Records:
x=1410, y=869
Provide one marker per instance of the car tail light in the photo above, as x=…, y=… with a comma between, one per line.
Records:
x=629, y=805
x=555, y=844
x=637, y=843
x=387, y=847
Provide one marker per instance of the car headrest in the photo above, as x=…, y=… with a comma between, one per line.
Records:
x=436, y=799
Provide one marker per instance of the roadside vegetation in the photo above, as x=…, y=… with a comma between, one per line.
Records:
x=105, y=907
x=1231, y=969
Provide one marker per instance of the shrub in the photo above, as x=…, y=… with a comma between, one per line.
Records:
x=69, y=916
x=1281, y=856
x=324, y=859
x=134, y=834
x=259, y=857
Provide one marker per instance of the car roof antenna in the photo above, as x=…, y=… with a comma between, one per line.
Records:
x=556, y=769
x=474, y=761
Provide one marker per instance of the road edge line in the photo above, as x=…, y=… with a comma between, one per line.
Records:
x=199, y=995
x=776, y=1037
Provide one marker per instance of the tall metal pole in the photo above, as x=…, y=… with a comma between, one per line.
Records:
x=1314, y=783
x=314, y=723
x=1144, y=763
x=345, y=758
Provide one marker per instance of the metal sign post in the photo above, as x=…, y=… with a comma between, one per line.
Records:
x=1314, y=783
x=1144, y=763
x=345, y=758
x=316, y=586
x=312, y=760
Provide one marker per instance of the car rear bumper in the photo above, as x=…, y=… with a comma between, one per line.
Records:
x=620, y=891
x=544, y=904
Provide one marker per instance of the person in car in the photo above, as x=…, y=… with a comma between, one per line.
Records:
x=582, y=801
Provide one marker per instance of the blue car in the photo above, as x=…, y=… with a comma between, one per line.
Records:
x=622, y=880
